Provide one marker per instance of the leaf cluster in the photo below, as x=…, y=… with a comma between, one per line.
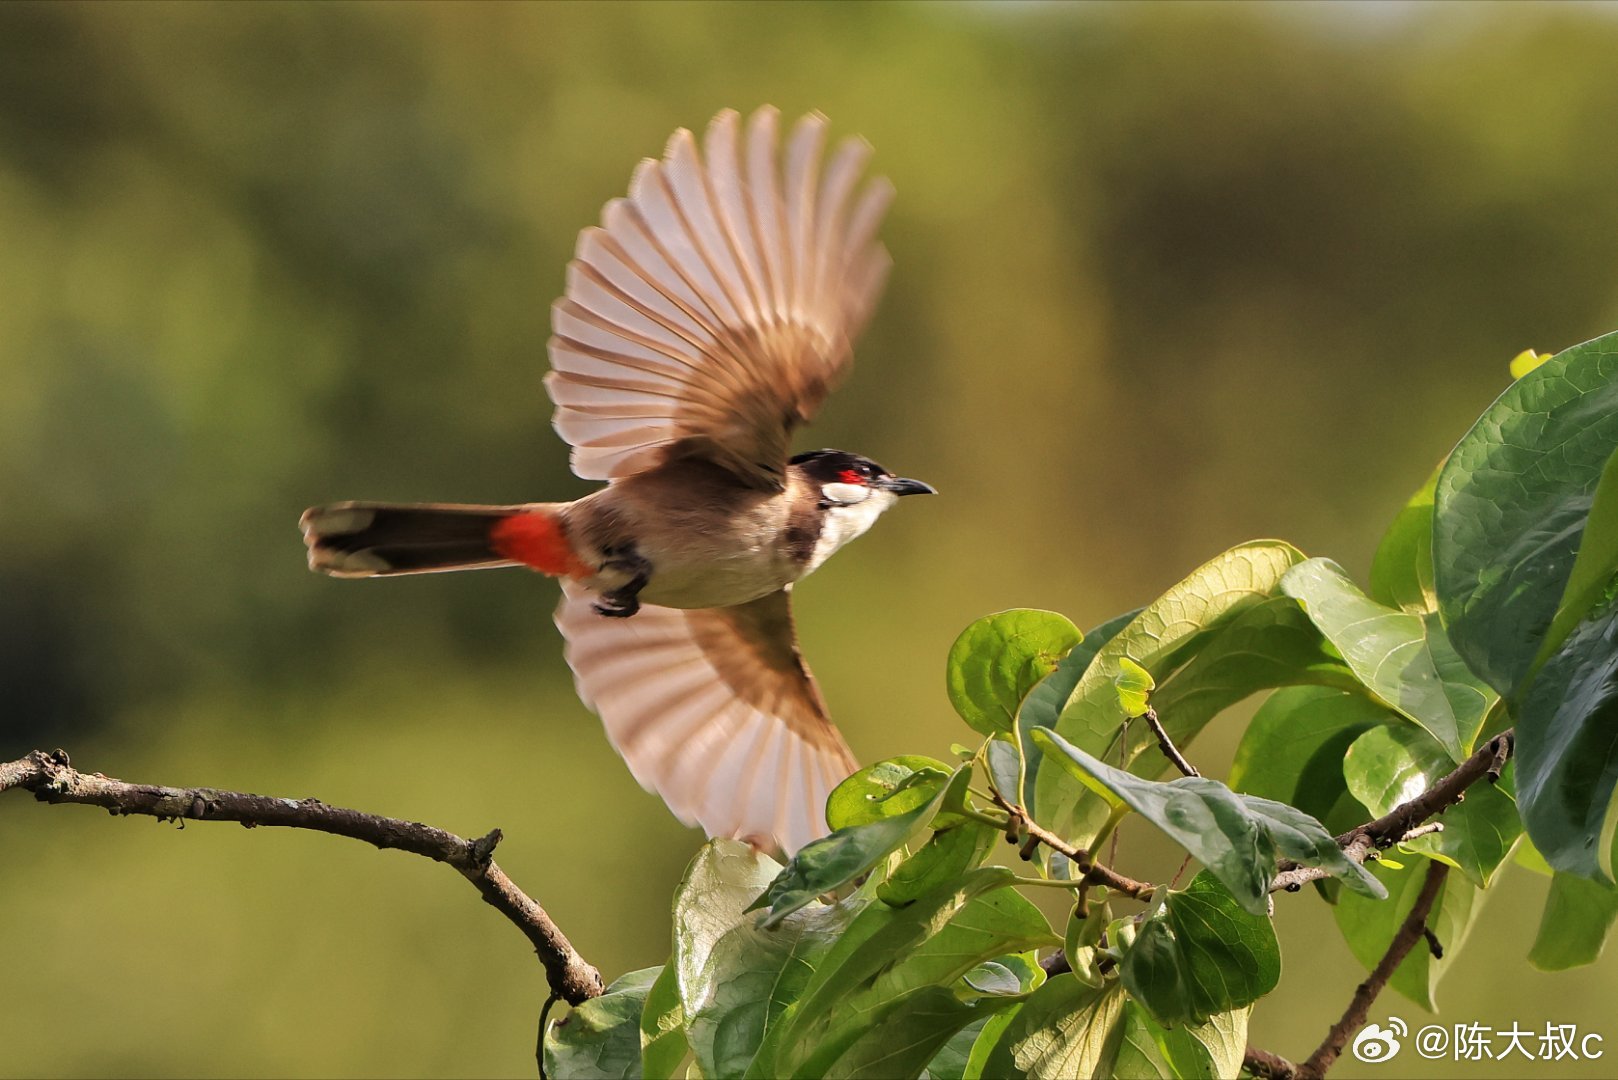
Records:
x=897, y=947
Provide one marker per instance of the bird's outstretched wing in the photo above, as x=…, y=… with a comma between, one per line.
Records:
x=715, y=711
x=717, y=305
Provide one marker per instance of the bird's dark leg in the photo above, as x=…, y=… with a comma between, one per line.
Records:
x=624, y=601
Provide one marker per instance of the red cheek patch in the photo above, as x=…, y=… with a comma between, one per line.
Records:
x=535, y=539
x=849, y=476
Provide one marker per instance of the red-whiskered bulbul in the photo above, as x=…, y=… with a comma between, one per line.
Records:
x=704, y=320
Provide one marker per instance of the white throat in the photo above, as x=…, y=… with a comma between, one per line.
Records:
x=843, y=523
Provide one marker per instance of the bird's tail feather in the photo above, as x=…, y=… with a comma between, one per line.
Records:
x=372, y=539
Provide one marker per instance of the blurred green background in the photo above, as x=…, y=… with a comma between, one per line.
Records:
x=1167, y=278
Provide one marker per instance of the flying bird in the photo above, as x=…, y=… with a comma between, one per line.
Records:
x=704, y=321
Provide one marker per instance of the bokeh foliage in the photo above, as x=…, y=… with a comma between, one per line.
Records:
x=1166, y=279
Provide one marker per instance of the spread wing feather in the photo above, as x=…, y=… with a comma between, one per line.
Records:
x=716, y=306
x=715, y=711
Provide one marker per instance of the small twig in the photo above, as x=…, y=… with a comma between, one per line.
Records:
x=1090, y=871
x=1267, y=1066
x=1404, y=821
x=539, y=1042
x=53, y=779
x=1421, y=830
x=1165, y=744
x=1434, y=946
x=1412, y=930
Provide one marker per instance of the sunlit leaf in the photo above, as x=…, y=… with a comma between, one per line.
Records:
x=600, y=1039
x=998, y=659
x=1062, y=1031
x=1211, y=596
x=720, y=884
x=1511, y=507
x=1404, y=659
x=662, y=1028
x=1527, y=361
x=886, y=789
x=1134, y=684
x=1293, y=748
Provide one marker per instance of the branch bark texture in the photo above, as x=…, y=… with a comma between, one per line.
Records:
x=52, y=779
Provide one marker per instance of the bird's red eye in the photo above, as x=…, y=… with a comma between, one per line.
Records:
x=850, y=476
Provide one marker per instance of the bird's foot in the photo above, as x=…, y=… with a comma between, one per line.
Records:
x=624, y=601
x=615, y=605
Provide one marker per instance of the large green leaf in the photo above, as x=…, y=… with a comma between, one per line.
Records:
x=886, y=789
x=751, y=978
x=1237, y=837
x=1567, y=749
x=1573, y=930
x=1511, y=507
x=1146, y=1050
x=1594, y=569
x=1368, y=926
x=1271, y=644
x=1065, y=1029
x=834, y=861
x=998, y=659
x=947, y=855
x=600, y=1039
x=719, y=886
x=663, y=1044
x=1404, y=659
x=1394, y=763
x=1044, y=702
x=909, y=1034
x=880, y=939
x=1202, y=955
x=1157, y=639
x=1293, y=748
x=1402, y=570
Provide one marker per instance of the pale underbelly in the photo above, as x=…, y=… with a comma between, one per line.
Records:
x=707, y=582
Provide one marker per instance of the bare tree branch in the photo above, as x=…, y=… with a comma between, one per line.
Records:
x=1404, y=821
x=1267, y=1066
x=52, y=779
x=1359, y=1007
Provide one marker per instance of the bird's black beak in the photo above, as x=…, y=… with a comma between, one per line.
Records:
x=900, y=485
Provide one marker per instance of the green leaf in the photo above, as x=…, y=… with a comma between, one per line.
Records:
x=993, y=1030
x=1402, y=569
x=950, y=1062
x=1573, y=929
x=1567, y=750
x=1211, y=596
x=1134, y=684
x=1404, y=659
x=719, y=886
x=663, y=1044
x=828, y=864
x=1595, y=568
x=1202, y=955
x=1271, y=644
x=1394, y=763
x=1368, y=927
x=1293, y=748
x=600, y=1039
x=1044, y=702
x=909, y=1034
x=886, y=789
x=1512, y=503
x=753, y=976
x=1005, y=768
x=947, y=855
x=998, y=659
x=1526, y=361
x=1237, y=837
x=880, y=939
x=1065, y=1029
x=1148, y=1051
